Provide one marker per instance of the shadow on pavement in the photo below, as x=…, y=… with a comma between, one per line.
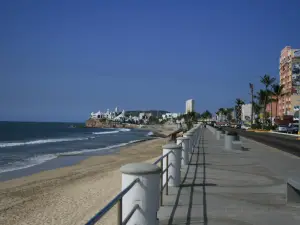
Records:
x=200, y=151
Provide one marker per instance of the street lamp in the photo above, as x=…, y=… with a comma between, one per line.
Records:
x=296, y=108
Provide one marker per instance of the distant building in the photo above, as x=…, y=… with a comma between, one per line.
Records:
x=246, y=112
x=170, y=116
x=189, y=106
x=144, y=115
x=289, y=70
x=141, y=115
x=111, y=115
x=220, y=117
x=271, y=108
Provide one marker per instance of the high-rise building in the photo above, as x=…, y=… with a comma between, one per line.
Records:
x=189, y=106
x=289, y=70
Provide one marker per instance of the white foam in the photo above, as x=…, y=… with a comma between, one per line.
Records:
x=124, y=129
x=44, y=141
x=96, y=149
x=30, y=162
x=39, y=159
x=113, y=132
x=106, y=132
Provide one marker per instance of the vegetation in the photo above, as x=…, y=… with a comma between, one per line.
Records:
x=226, y=112
x=206, y=115
x=238, y=107
x=271, y=92
x=277, y=90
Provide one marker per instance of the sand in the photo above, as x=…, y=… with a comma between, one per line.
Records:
x=71, y=195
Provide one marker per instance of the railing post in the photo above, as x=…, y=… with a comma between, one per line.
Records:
x=167, y=175
x=173, y=176
x=145, y=193
x=184, y=141
x=191, y=141
x=161, y=183
x=228, y=141
x=218, y=134
x=120, y=212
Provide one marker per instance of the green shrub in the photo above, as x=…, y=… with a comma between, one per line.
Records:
x=233, y=133
x=256, y=126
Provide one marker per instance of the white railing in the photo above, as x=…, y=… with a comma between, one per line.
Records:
x=143, y=184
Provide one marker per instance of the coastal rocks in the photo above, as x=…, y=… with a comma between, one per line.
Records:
x=97, y=123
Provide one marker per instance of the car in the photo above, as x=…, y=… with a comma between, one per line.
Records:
x=282, y=128
x=245, y=127
x=293, y=129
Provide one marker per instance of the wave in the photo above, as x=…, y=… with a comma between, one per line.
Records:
x=39, y=159
x=29, y=162
x=106, y=132
x=113, y=132
x=80, y=152
x=46, y=141
x=43, y=141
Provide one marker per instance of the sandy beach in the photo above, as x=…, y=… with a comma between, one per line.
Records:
x=72, y=195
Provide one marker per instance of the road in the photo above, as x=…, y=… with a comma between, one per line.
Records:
x=285, y=143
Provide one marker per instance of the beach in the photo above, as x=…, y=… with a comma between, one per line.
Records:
x=73, y=194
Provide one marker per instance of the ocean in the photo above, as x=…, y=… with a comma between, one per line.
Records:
x=30, y=147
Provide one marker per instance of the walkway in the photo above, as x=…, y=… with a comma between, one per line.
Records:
x=237, y=187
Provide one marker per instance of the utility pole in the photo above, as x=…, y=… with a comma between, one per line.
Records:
x=251, y=89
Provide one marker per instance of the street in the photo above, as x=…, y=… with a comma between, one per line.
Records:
x=282, y=142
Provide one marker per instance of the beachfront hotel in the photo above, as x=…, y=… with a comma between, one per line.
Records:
x=190, y=105
x=289, y=70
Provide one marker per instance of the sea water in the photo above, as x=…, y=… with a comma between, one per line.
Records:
x=33, y=146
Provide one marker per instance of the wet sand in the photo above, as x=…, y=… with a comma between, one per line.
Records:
x=72, y=195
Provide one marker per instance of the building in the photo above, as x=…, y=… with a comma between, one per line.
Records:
x=110, y=115
x=271, y=108
x=289, y=70
x=190, y=106
x=170, y=116
x=246, y=112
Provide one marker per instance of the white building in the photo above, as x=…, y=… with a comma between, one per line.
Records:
x=189, y=106
x=170, y=116
x=246, y=112
x=220, y=118
x=107, y=115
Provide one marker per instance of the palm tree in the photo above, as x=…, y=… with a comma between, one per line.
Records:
x=238, y=106
x=190, y=118
x=220, y=112
x=267, y=81
x=229, y=113
x=277, y=90
x=263, y=98
x=256, y=108
x=206, y=115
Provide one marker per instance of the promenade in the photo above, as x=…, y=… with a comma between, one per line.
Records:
x=238, y=187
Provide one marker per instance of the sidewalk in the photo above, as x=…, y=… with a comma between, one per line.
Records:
x=233, y=187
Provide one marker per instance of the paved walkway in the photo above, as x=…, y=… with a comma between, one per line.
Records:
x=236, y=187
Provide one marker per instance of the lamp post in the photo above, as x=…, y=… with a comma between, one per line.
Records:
x=251, y=89
x=296, y=108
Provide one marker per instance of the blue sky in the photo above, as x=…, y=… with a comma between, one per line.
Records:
x=60, y=60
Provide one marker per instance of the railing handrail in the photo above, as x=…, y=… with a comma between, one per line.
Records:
x=119, y=197
x=161, y=158
x=175, y=132
x=114, y=201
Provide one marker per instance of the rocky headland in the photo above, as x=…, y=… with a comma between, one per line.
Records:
x=96, y=123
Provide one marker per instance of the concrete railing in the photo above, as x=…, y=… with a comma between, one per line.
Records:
x=143, y=184
x=229, y=138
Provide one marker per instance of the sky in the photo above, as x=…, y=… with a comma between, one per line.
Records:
x=60, y=60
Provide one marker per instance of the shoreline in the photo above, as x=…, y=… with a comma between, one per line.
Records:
x=64, y=160
x=72, y=194
x=61, y=192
